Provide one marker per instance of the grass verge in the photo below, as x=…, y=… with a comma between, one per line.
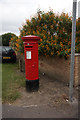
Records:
x=12, y=81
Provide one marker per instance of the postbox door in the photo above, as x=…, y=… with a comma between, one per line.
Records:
x=31, y=65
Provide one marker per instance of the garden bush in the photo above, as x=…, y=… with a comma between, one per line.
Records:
x=5, y=38
x=55, y=32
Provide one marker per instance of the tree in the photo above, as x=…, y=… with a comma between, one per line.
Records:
x=6, y=38
x=0, y=40
x=55, y=32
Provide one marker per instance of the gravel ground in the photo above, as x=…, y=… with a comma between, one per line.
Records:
x=51, y=92
x=52, y=96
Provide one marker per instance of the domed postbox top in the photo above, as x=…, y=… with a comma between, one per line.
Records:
x=30, y=37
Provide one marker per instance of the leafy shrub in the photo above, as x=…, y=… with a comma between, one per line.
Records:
x=55, y=32
x=6, y=38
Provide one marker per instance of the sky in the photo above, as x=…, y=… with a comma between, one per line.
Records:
x=13, y=13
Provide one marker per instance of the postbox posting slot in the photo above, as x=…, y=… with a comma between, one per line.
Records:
x=28, y=46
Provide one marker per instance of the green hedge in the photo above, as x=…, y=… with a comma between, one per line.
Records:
x=55, y=32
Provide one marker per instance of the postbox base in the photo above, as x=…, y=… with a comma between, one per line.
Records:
x=32, y=85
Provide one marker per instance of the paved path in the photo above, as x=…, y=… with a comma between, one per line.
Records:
x=10, y=111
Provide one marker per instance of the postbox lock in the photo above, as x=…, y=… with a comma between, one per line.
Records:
x=33, y=66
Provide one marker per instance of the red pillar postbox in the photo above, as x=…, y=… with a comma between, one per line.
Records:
x=31, y=61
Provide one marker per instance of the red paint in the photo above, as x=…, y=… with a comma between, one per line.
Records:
x=31, y=64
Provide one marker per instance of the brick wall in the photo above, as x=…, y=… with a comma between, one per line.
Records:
x=59, y=69
x=56, y=68
x=77, y=69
